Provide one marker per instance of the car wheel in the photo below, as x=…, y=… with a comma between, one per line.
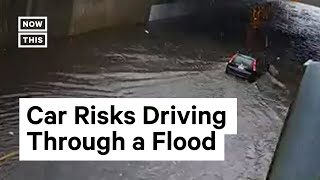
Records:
x=227, y=70
x=252, y=79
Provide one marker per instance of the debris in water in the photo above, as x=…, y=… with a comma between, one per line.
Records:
x=146, y=31
x=273, y=71
x=11, y=133
x=275, y=81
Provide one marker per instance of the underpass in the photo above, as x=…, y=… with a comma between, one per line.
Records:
x=81, y=16
x=181, y=57
x=175, y=65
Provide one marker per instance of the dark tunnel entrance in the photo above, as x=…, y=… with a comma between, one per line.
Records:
x=218, y=20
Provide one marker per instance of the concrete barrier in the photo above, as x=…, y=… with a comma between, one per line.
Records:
x=297, y=154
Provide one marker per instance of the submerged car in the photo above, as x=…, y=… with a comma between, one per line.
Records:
x=245, y=66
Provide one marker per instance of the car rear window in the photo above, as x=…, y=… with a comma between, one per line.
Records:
x=241, y=59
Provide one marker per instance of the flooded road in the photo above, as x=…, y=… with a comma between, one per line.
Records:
x=178, y=59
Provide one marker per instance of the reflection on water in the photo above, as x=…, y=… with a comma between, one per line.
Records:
x=179, y=59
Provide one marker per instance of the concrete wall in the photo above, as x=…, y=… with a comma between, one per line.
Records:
x=94, y=14
x=170, y=10
x=59, y=14
x=70, y=17
x=3, y=22
x=9, y=11
x=73, y=17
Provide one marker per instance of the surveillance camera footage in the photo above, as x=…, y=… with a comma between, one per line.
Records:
x=264, y=53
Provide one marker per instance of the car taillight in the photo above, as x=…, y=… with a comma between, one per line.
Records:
x=232, y=58
x=254, y=65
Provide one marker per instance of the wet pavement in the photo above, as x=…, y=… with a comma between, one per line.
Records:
x=178, y=59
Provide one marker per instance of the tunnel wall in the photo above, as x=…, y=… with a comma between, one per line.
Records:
x=69, y=17
x=58, y=12
x=78, y=16
x=3, y=22
x=74, y=17
x=9, y=11
x=94, y=14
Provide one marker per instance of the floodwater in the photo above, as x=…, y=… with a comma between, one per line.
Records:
x=178, y=58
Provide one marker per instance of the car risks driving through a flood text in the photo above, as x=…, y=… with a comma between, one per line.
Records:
x=84, y=115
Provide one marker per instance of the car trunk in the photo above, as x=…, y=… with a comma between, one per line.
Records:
x=243, y=62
